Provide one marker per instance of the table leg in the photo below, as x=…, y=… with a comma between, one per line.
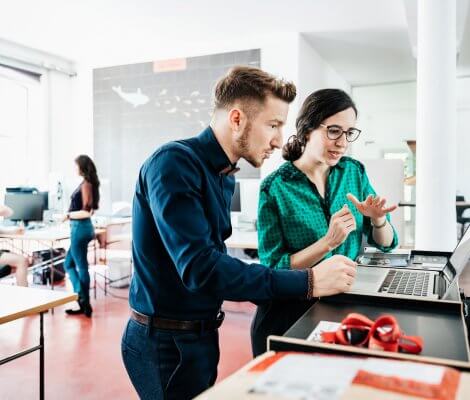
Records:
x=41, y=357
x=52, y=265
x=51, y=275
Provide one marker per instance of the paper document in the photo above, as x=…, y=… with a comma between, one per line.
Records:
x=308, y=377
x=430, y=374
x=323, y=326
x=321, y=377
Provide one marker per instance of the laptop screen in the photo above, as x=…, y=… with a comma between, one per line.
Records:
x=459, y=258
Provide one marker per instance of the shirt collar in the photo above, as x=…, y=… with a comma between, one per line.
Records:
x=341, y=163
x=291, y=172
x=215, y=154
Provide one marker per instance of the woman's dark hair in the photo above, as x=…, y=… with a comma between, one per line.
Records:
x=317, y=107
x=88, y=171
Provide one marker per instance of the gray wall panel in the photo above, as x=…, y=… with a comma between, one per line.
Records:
x=136, y=110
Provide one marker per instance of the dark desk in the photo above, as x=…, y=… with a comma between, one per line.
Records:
x=440, y=323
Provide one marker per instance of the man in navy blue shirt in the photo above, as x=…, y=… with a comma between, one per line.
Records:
x=181, y=218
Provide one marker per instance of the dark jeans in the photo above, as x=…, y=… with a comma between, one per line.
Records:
x=169, y=365
x=76, y=262
x=275, y=318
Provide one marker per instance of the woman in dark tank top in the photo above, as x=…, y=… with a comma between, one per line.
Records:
x=83, y=202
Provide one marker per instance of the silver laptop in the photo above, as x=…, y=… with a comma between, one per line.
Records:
x=411, y=283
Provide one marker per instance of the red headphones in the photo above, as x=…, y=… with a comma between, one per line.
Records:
x=383, y=334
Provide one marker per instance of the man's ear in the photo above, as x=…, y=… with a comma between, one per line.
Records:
x=235, y=117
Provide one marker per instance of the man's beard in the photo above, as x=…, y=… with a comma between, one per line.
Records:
x=244, y=147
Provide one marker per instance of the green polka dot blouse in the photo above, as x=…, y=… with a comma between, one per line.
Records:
x=292, y=215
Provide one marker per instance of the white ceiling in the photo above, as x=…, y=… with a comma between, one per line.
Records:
x=366, y=41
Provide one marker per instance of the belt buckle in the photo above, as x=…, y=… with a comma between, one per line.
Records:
x=220, y=316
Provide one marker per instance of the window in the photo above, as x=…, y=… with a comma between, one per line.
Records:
x=22, y=130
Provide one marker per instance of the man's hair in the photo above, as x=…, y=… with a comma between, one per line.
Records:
x=249, y=85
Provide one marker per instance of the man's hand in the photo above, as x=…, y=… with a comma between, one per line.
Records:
x=342, y=223
x=374, y=208
x=334, y=275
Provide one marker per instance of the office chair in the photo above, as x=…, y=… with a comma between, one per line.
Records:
x=460, y=211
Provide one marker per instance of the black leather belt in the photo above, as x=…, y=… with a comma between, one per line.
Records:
x=179, y=325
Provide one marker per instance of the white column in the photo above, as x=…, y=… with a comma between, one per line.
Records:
x=436, y=126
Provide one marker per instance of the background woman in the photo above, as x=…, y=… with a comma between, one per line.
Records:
x=84, y=200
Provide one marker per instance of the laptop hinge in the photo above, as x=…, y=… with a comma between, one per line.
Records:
x=439, y=285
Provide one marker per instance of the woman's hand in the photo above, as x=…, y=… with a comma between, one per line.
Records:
x=334, y=275
x=342, y=223
x=374, y=208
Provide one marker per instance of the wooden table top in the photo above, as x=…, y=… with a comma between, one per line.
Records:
x=18, y=302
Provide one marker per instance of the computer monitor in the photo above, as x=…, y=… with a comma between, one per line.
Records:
x=235, y=205
x=26, y=206
x=28, y=189
x=45, y=200
x=21, y=189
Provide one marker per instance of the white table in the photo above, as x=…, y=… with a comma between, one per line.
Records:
x=243, y=240
x=17, y=302
x=49, y=237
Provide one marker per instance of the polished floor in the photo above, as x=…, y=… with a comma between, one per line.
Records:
x=83, y=359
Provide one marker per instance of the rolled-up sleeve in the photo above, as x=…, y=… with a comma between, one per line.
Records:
x=367, y=190
x=174, y=190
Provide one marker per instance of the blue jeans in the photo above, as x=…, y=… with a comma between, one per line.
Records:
x=169, y=365
x=76, y=262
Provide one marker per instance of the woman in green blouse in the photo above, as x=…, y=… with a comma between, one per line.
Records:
x=317, y=204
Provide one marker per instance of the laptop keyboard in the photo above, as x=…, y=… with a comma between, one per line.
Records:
x=409, y=283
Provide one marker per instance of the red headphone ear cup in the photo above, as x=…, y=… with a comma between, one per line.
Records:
x=384, y=334
x=340, y=337
x=354, y=321
x=411, y=344
x=357, y=319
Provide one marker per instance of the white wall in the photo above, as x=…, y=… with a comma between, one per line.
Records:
x=387, y=116
x=315, y=73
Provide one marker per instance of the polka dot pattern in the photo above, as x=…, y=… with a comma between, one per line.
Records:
x=292, y=215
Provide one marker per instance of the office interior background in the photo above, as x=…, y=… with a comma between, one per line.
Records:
x=116, y=79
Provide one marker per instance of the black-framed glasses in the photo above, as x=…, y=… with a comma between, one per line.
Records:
x=334, y=132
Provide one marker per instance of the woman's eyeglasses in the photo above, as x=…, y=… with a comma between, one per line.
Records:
x=334, y=132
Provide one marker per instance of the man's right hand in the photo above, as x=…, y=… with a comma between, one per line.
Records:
x=332, y=276
x=342, y=223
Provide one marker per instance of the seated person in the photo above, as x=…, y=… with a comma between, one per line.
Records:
x=17, y=262
x=317, y=204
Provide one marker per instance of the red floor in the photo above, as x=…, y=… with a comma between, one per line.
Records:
x=83, y=358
